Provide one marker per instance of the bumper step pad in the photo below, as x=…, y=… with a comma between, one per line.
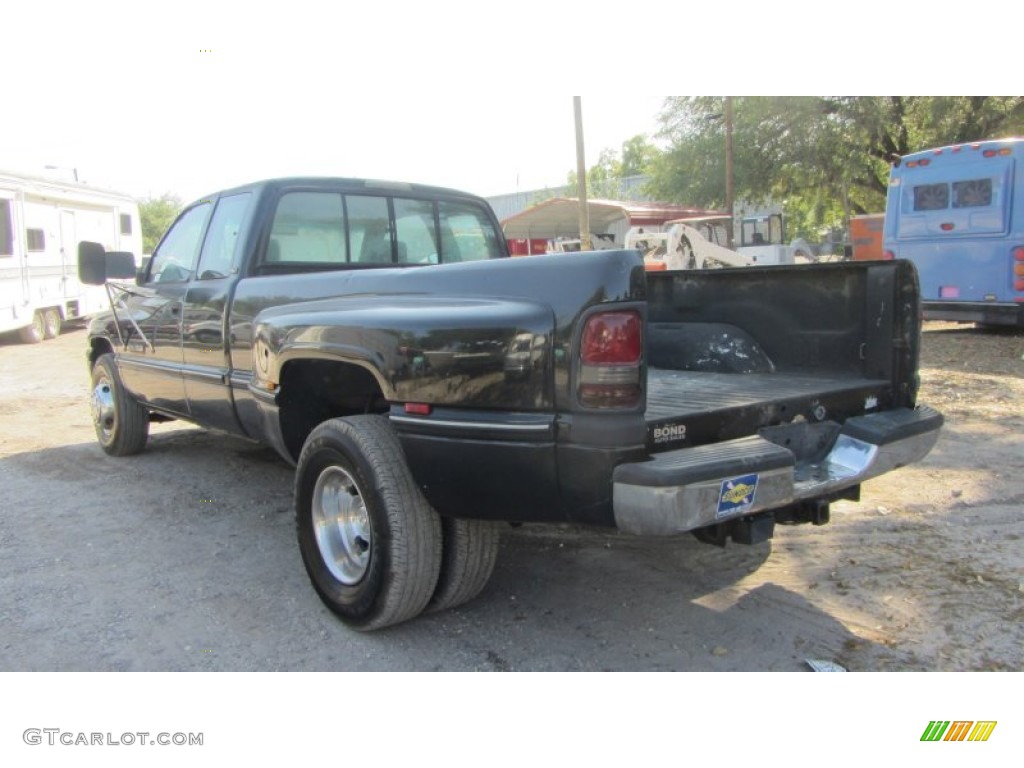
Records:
x=678, y=491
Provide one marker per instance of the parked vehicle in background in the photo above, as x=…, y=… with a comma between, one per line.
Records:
x=701, y=242
x=957, y=212
x=41, y=223
x=866, y=236
x=686, y=244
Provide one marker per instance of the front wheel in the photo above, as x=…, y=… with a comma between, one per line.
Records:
x=122, y=425
x=370, y=542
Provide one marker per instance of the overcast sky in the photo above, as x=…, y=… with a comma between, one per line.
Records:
x=199, y=96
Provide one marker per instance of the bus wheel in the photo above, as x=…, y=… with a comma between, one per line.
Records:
x=51, y=324
x=34, y=333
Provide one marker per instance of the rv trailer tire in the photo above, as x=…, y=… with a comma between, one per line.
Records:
x=34, y=333
x=51, y=324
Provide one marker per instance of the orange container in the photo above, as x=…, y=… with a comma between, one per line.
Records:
x=866, y=234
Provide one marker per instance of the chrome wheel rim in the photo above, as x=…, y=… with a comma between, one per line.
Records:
x=104, y=414
x=341, y=525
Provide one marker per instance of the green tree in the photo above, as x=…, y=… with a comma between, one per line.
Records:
x=638, y=156
x=824, y=158
x=157, y=214
x=604, y=180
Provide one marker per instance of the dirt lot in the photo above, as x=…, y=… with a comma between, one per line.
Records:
x=184, y=558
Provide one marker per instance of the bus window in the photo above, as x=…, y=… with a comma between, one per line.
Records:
x=972, y=194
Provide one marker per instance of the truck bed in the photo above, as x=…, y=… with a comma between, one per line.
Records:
x=715, y=406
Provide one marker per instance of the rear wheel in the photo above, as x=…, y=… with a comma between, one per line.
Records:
x=467, y=562
x=122, y=425
x=370, y=542
x=51, y=324
x=34, y=333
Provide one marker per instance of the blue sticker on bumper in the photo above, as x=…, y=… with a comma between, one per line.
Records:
x=736, y=496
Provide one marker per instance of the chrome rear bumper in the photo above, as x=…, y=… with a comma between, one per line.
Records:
x=690, y=488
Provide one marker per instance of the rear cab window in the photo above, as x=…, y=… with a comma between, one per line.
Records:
x=313, y=230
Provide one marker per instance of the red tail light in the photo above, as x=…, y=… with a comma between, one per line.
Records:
x=612, y=338
x=610, y=351
x=1018, y=253
x=888, y=256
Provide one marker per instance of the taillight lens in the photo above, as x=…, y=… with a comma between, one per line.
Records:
x=1018, y=253
x=610, y=352
x=612, y=338
x=888, y=255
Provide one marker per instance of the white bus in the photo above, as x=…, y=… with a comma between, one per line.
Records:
x=41, y=223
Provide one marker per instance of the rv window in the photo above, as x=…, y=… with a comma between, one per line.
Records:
x=6, y=230
x=36, y=239
x=126, y=224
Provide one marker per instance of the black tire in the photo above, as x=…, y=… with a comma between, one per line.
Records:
x=370, y=542
x=122, y=425
x=469, y=552
x=51, y=324
x=34, y=333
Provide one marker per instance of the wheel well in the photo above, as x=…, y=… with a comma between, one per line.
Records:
x=313, y=391
x=99, y=346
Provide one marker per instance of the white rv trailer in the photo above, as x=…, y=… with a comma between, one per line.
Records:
x=41, y=223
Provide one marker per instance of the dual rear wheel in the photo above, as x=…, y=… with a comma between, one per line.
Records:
x=376, y=552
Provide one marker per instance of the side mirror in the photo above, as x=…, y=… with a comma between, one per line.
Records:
x=96, y=266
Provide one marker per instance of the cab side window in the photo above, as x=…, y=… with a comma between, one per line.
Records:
x=175, y=257
x=308, y=229
x=466, y=233
x=219, y=256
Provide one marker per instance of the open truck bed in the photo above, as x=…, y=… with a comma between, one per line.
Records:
x=783, y=403
x=713, y=406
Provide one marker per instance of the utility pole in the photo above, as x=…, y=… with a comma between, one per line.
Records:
x=728, y=167
x=581, y=176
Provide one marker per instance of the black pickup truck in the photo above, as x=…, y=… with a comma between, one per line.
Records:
x=426, y=386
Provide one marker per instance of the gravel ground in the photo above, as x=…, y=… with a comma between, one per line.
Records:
x=184, y=558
